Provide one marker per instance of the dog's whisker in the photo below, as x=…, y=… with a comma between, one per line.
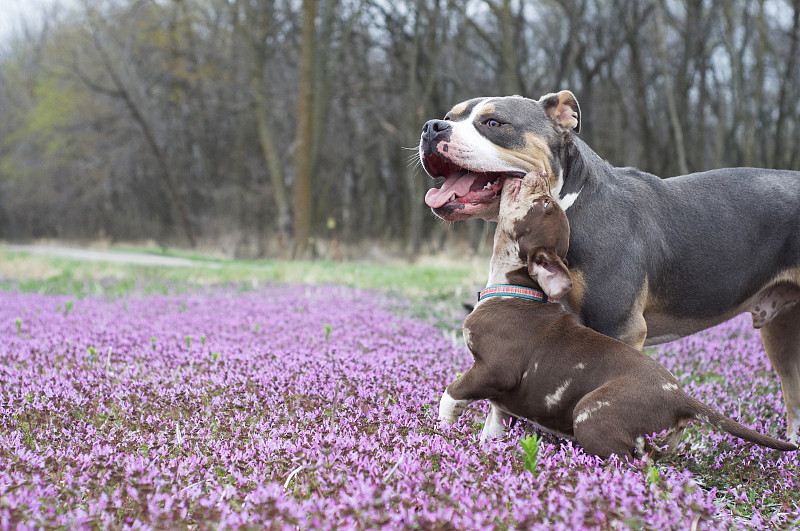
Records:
x=413, y=162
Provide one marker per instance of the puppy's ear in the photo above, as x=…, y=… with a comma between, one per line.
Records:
x=563, y=109
x=550, y=272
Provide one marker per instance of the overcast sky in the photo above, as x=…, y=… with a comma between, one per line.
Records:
x=14, y=12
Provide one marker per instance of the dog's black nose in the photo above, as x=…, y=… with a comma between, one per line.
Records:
x=435, y=130
x=435, y=126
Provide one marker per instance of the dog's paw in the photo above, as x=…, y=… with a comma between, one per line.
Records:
x=792, y=432
x=450, y=409
x=494, y=427
x=490, y=433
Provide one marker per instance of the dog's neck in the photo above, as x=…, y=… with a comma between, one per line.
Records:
x=506, y=266
x=573, y=176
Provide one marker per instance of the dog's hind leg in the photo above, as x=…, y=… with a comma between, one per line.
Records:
x=603, y=440
x=597, y=426
x=781, y=338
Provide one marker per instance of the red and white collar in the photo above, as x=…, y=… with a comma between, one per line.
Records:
x=514, y=291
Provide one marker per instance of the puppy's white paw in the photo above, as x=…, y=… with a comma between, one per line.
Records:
x=791, y=431
x=450, y=409
x=493, y=427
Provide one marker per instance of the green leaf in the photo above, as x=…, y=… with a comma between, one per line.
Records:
x=530, y=445
x=653, y=476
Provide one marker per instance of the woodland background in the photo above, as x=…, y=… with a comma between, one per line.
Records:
x=289, y=127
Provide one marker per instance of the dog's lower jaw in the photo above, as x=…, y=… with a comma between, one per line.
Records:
x=461, y=211
x=450, y=409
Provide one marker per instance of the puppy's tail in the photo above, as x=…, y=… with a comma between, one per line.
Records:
x=699, y=411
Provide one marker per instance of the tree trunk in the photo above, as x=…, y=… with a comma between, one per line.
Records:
x=749, y=133
x=508, y=59
x=672, y=107
x=272, y=158
x=644, y=116
x=302, y=191
x=781, y=156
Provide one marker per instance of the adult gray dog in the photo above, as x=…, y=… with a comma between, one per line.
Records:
x=651, y=260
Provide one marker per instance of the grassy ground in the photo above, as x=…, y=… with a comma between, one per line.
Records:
x=426, y=279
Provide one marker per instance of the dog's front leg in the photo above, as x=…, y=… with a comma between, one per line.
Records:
x=450, y=408
x=476, y=384
x=495, y=425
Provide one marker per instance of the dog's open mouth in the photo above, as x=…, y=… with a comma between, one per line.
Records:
x=462, y=186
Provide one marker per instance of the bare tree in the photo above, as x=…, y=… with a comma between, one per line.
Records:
x=256, y=25
x=246, y=123
x=302, y=196
x=787, y=94
x=120, y=89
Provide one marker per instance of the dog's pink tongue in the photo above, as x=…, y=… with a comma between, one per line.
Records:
x=457, y=183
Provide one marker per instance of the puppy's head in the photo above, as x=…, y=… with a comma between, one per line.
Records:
x=531, y=219
x=483, y=143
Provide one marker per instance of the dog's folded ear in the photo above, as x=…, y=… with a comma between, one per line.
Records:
x=563, y=109
x=550, y=272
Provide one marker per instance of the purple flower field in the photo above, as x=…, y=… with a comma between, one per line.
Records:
x=297, y=407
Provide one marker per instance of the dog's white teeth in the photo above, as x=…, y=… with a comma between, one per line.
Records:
x=491, y=185
x=453, y=198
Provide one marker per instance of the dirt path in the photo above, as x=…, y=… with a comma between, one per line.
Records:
x=99, y=255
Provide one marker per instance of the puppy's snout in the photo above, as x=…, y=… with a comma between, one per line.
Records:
x=435, y=130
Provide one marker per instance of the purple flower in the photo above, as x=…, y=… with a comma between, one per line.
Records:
x=314, y=407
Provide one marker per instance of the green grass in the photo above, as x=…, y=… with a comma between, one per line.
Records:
x=425, y=280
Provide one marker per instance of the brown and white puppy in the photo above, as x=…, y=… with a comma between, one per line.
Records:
x=652, y=259
x=533, y=359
